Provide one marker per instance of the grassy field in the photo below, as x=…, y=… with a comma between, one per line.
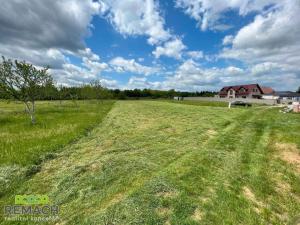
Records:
x=153, y=162
x=24, y=147
x=57, y=124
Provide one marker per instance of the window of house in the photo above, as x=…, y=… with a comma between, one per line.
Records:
x=231, y=92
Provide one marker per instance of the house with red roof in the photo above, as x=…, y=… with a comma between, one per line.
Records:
x=245, y=91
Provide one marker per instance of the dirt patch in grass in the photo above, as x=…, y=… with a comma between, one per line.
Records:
x=162, y=212
x=117, y=198
x=283, y=187
x=168, y=222
x=61, y=223
x=167, y=194
x=95, y=167
x=249, y=195
x=170, y=130
x=211, y=132
x=204, y=199
x=293, y=158
x=289, y=153
x=208, y=196
x=198, y=215
x=114, y=200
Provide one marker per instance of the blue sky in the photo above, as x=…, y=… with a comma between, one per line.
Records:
x=189, y=45
x=108, y=43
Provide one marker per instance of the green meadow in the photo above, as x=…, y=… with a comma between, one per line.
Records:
x=58, y=123
x=153, y=162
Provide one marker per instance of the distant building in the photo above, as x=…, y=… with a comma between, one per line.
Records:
x=178, y=98
x=288, y=95
x=267, y=90
x=268, y=93
x=242, y=91
x=258, y=92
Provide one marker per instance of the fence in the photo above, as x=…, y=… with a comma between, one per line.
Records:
x=248, y=100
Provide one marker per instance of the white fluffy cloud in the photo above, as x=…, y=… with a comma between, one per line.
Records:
x=136, y=17
x=95, y=66
x=130, y=65
x=208, y=13
x=264, y=68
x=141, y=83
x=190, y=76
x=72, y=74
x=42, y=33
x=232, y=70
x=270, y=45
x=46, y=35
x=271, y=37
x=195, y=54
x=143, y=17
x=87, y=53
x=171, y=48
x=41, y=57
x=228, y=39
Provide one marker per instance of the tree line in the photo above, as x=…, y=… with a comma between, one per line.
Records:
x=88, y=91
x=24, y=82
x=95, y=90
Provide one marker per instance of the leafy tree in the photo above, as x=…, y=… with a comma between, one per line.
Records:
x=86, y=92
x=97, y=87
x=49, y=91
x=23, y=82
x=74, y=98
x=298, y=90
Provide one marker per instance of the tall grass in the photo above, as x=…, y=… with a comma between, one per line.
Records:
x=57, y=125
